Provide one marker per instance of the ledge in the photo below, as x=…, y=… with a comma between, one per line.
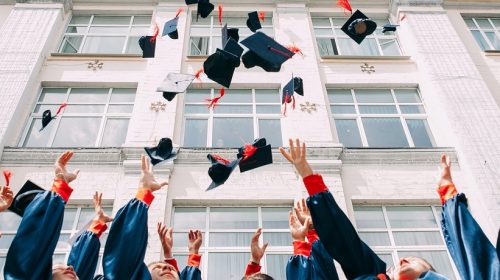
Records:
x=397, y=156
x=47, y=156
x=93, y=56
x=364, y=58
x=196, y=58
x=492, y=52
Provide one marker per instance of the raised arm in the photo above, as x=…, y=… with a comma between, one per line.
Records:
x=30, y=254
x=473, y=254
x=299, y=266
x=335, y=230
x=257, y=253
x=192, y=270
x=126, y=245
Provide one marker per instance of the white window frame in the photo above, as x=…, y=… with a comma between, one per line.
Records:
x=104, y=116
x=211, y=113
x=495, y=29
x=358, y=116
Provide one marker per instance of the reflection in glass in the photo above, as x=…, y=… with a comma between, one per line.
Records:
x=232, y=132
x=233, y=218
x=384, y=132
x=115, y=132
x=84, y=136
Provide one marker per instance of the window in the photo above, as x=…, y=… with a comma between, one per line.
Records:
x=98, y=34
x=75, y=218
x=380, y=118
x=486, y=31
x=392, y=234
x=226, y=238
x=206, y=32
x=241, y=116
x=94, y=117
x=332, y=40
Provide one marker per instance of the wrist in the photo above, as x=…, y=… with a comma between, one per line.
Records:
x=168, y=255
x=255, y=261
x=61, y=177
x=193, y=252
x=300, y=239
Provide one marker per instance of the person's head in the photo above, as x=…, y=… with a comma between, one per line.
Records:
x=63, y=272
x=258, y=276
x=410, y=268
x=163, y=271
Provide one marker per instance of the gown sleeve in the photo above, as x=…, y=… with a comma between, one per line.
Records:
x=299, y=266
x=192, y=270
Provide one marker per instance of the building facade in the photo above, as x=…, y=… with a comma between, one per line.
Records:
x=376, y=118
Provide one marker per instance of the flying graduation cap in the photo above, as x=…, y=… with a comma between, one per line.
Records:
x=24, y=197
x=220, y=170
x=220, y=66
x=229, y=33
x=204, y=8
x=189, y=2
x=358, y=26
x=389, y=27
x=164, y=151
x=253, y=21
x=175, y=83
x=148, y=46
x=170, y=28
x=47, y=116
x=264, y=52
x=255, y=155
x=294, y=85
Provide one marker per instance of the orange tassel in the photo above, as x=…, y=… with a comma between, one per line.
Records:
x=213, y=102
x=248, y=151
x=220, y=14
x=61, y=107
x=179, y=11
x=156, y=32
x=7, y=174
x=220, y=159
x=198, y=73
x=295, y=49
x=344, y=4
x=262, y=16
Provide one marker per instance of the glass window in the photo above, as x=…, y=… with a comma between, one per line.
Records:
x=331, y=40
x=380, y=118
x=101, y=116
x=105, y=34
x=486, y=31
x=241, y=116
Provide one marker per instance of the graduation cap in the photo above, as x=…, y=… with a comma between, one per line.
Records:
x=255, y=155
x=229, y=33
x=189, y=2
x=170, y=28
x=204, y=8
x=220, y=66
x=175, y=83
x=389, y=27
x=24, y=197
x=294, y=85
x=265, y=52
x=358, y=26
x=220, y=170
x=164, y=151
x=148, y=46
x=47, y=116
x=253, y=21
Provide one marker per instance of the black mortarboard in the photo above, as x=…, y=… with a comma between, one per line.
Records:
x=256, y=155
x=148, y=46
x=46, y=118
x=389, y=27
x=219, y=67
x=358, y=26
x=229, y=33
x=189, y=2
x=205, y=8
x=175, y=83
x=24, y=197
x=233, y=51
x=264, y=52
x=164, y=151
x=253, y=21
x=294, y=85
x=170, y=28
x=220, y=170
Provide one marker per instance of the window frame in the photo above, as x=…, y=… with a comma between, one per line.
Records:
x=495, y=29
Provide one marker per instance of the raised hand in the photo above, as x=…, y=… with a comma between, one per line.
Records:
x=257, y=251
x=6, y=198
x=60, y=168
x=99, y=212
x=302, y=212
x=297, y=157
x=445, y=178
x=195, y=240
x=167, y=241
x=148, y=180
x=297, y=229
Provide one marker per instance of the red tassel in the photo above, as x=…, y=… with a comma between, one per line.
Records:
x=156, y=32
x=262, y=16
x=295, y=49
x=179, y=11
x=213, y=102
x=287, y=99
x=402, y=18
x=248, y=151
x=293, y=102
x=220, y=14
x=7, y=174
x=344, y=4
x=61, y=107
x=220, y=159
x=198, y=73
x=280, y=52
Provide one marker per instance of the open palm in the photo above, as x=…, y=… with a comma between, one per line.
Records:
x=148, y=180
x=60, y=167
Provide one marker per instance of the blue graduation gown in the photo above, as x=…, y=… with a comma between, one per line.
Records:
x=190, y=273
x=473, y=254
x=318, y=266
x=84, y=255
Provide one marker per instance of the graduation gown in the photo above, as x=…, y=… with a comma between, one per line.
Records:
x=191, y=271
x=30, y=254
x=473, y=254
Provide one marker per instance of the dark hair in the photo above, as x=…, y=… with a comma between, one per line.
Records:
x=258, y=276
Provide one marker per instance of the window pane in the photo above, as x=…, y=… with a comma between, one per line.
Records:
x=233, y=218
x=378, y=109
x=343, y=109
x=71, y=44
x=230, y=266
x=84, y=136
x=189, y=218
x=80, y=20
x=41, y=108
x=236, y=96
x=133, y=45
x=267, y=96
x=268, y=109
x=181, y=239
x=321, y=22
x=232, y=132
x=86, y=109
x=439, y=260
x=276, y=265
x=62, y=242
x=6, y=240
x=196, y=109
x=348, y=133
x=115, y=30
x=9, y=221
x=421, y=217
x=374, y=96
x=484, y=24
x=88, y=95
x=347, y=46
x=384, y=132
x=116, y=109
x=407, y=96
x=387, y=258
x=145, y=20
x=115, y=132
x=52, y=95
x=233, y=109
x=278, y=238
x=37, y=138
x=69, y=218
x=375, y=238
x=197, y=95
x=327, y=46
x=103, y=44
x=322, y=33
x=494, y=40
x=198, y=45
x=470, y=23
x=417, y=238
x=86, y=215
x=111, y=20
x=123, y=95
x=420, y=133
x=230, y=239
x=369, y=217
x=480, y=40
x=412, y=109
x=195, y=133
x=271, y=130
x=340, y=96
x=58, y=258
x=275, y=217
x=389, y=47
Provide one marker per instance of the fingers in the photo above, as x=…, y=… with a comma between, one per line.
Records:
x=158, y=227
x=265, y=247
x=191, y=235
x=76, y=172
x=199, y=235
x=162, y=184
x=448, y=161
x=297, y=148
x=169, y=232
x=304, y=205
x=443, y=160
x=303, y=151
x=285, y=154
x=308, y=223
x=143, y=163
x=256, y=235
x=292, y=149
x=297, y=212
